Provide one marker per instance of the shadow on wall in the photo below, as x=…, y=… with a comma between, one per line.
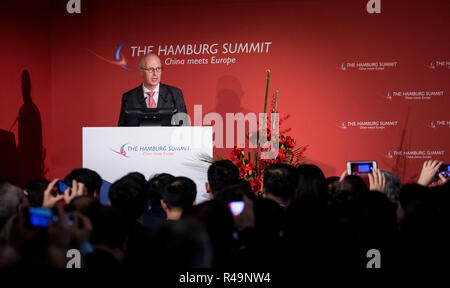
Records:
x=26, y=162
x=229, y=93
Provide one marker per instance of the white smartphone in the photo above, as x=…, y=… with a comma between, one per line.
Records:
x=361, y=167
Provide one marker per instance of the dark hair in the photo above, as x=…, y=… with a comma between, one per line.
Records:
x=157, y=185
x=218, y=220
x=280, y=180
x=414, y=196
x=311, y=184
x=221, y=174
x=111, y=227
x=35, y=190
x=180, y=193
x=129, y=193
x=88, y=177
x=331, y=180
x=84, y=204
x=9, y=201
x=235, y=192
x=181, y=244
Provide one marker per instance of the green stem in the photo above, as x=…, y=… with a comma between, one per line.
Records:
x=265, y=99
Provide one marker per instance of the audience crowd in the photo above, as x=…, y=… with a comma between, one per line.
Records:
x=301, y=220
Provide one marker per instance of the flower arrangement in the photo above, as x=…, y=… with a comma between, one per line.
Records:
x=252, y=168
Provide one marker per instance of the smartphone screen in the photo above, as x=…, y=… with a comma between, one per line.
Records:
x=444, y=170
x=62, y=187
x=40, y=217
x=361, y=168
x=236, y=207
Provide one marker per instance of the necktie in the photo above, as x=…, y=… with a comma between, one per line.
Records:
x=151, y=101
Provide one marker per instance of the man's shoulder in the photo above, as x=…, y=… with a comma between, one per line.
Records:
x=133, y=91
x=169, y=87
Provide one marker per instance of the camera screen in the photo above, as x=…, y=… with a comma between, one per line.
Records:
x=236, y=207
x=62, y=186
x=445, y=170
x=40, y=217
x=361, y=168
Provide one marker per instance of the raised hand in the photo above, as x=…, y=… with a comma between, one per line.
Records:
x=429, y=169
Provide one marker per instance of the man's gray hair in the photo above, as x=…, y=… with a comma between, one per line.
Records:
x=9, y=200
x=393, y=185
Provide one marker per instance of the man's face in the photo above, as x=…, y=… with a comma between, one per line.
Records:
x=151, y=78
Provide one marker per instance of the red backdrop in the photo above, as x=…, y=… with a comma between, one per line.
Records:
x=310, y=44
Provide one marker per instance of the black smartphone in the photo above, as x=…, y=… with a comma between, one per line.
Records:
x=62, y=186
x=444, y=170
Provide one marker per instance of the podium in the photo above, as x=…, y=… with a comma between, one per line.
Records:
x=114, y=152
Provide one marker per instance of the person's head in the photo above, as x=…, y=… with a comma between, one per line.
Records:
x=156, y=187
x=235, y=192
x=379, y=220
x=179, y=195
x=86, y=205
x=345, y=199
x=393, y=185
x=218, y=220
x=35, y=191
x=91, y=180
x=413, y=198
x=269, y=218
x=129, y=194
x=221, y=174
x=329, y=181
x=182, y=244
x=311, y=185
x=11, y=197
x=350, y=188
x=280, y=182
x=150, y=68
x=110, y=228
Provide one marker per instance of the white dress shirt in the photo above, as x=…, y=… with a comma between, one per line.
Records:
x=155, y=96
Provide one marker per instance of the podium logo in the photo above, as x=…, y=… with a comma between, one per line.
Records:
x=119, y=59
x=73, y=6
x=121, y=151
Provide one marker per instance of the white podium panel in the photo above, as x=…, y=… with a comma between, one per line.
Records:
x=115, y=151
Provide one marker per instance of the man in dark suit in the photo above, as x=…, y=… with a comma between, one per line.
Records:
x=152, y=93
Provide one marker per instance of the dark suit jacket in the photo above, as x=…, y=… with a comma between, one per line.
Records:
x=169, y=97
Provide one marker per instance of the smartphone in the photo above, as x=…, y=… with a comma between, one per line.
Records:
x=63, y=187
x=236, y=207
x=41, y=217
x=361, y=167
x=444, y=170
